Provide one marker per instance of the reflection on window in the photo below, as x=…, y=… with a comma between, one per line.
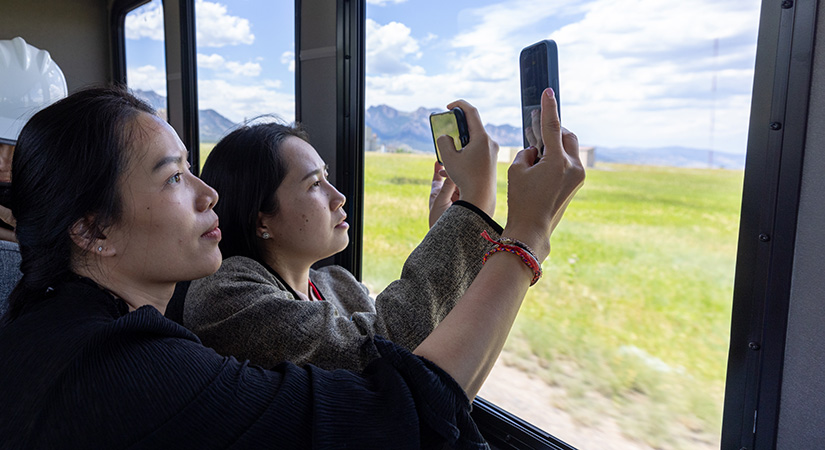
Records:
x=623, y=343
x=145, y=55
x=246, y=65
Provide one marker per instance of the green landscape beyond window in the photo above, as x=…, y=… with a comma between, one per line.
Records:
x=623, y=343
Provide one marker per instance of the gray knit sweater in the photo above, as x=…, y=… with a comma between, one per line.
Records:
x=246, y=311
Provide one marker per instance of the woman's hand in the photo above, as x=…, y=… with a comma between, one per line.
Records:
x=473, y=169
x=7, y=217
x=538, y=192
x=442, y=194
x=468, y=341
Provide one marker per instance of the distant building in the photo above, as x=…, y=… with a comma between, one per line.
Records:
x=507, y=154
x=588, y=156
x=370, y=141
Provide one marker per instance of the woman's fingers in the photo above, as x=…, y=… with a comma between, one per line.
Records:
x=550, y=123
x=474, y=124
x=570, y=143
x=7, y=216
x=526, y=157
x=438, y=182
x=442, y=195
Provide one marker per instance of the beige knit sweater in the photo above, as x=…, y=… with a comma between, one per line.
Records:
x=246, y=311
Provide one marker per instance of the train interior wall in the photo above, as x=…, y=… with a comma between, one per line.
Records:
x=801, y=418
x=75, y=32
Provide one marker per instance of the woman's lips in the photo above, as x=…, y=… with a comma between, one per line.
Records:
x=343, y=223
x=214, y=233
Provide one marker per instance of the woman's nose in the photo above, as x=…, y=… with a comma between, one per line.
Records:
x=338, y=199
x=207, y=197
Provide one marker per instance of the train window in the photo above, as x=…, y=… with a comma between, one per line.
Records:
x=624, y=343
x=246, y=64
x=145, y=54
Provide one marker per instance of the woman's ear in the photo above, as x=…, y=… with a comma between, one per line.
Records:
x=89, y=238
x=261, y=228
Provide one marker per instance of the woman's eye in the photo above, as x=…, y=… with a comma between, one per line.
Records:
x=174, y=178
x=316, y=184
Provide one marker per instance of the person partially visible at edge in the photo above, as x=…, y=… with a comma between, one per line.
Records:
x=109, y=219
x=31, y=80
x=280, y=215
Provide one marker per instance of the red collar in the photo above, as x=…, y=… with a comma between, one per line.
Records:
x=314, y=290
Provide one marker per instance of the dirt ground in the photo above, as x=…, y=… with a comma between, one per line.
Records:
x=533, y=400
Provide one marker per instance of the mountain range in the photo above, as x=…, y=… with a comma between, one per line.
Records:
x=410, y=131
x=396, y=130
x=672, y=156
x=212, y=125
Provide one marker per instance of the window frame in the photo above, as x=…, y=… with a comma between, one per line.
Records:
x=180, y=67
x=768, y=223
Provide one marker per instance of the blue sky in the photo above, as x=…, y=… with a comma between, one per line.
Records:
x=633, y=72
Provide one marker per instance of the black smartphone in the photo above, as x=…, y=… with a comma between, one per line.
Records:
x=450, y=123
x=539, y=68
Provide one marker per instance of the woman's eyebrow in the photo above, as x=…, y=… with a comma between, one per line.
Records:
x=317, y=171
x=177, y=160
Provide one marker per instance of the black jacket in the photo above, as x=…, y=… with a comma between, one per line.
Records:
x=80, y=371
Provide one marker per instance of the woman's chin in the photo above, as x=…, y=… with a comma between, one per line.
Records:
x=340, y=249
x=211, y=264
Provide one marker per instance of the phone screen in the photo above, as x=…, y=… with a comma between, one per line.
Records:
x=539, y=68
x=450, y=123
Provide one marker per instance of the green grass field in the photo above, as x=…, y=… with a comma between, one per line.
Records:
x=636, y=297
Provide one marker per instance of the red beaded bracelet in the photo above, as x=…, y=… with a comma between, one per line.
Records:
x=517, y=248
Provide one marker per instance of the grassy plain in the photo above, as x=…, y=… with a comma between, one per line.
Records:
x=634, y=307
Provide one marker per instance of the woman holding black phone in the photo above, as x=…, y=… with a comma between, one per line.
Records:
x=280, y=215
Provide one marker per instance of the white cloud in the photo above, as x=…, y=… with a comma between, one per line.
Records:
x=239, y=102
x=146, y=21
x=232, y=68
x=213, y=61
x=288, y=58
x=147, y=78
x=645, y=72
x=216, y=28
x=633, y=72
x=387, y=48
x=246, y=69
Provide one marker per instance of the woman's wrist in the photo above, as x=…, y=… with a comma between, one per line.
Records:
x=483, y=198
x=492, y=224
x=517, y=248
x=536, y=240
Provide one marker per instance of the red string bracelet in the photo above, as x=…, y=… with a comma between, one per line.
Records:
x=517, y=248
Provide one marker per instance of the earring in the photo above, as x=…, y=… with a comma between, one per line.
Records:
x=100, y=249
x=265, y=235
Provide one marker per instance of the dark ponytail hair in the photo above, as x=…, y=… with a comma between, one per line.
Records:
x=66, y=167
x=246, y=167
